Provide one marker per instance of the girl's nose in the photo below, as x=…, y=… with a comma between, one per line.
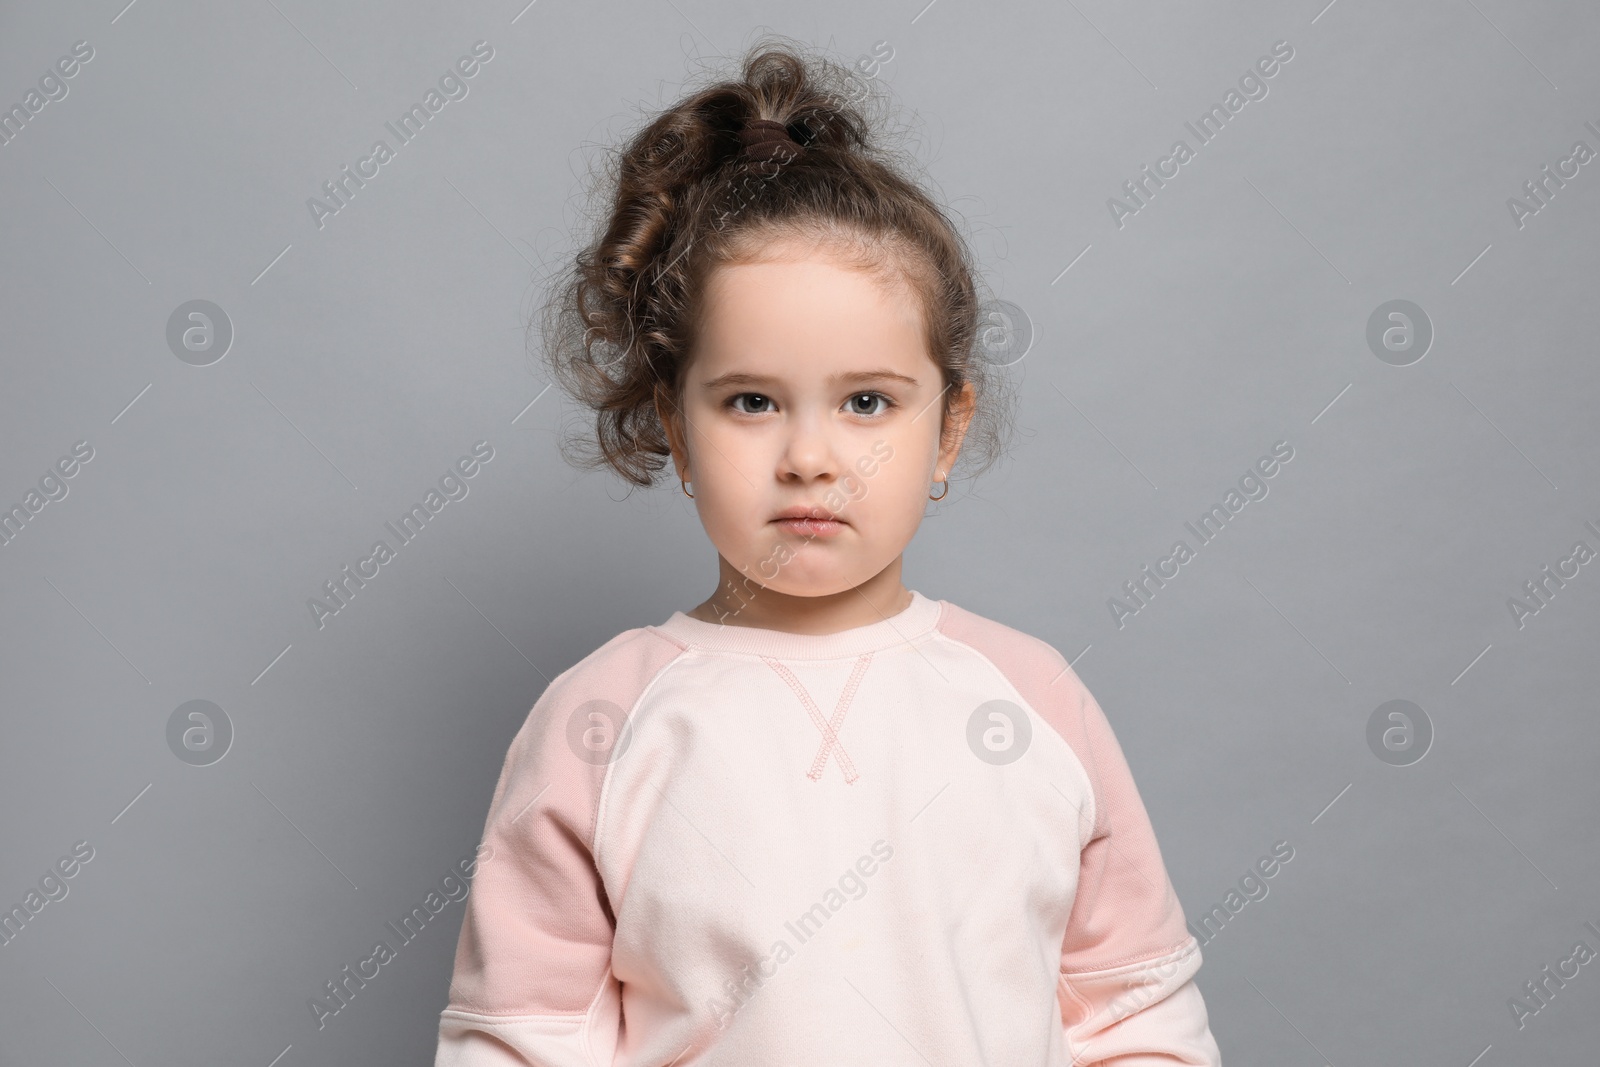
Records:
x=810, y=450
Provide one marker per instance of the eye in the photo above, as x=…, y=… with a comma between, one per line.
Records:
x=736, y=402
x=733, y=402
x=888, y=402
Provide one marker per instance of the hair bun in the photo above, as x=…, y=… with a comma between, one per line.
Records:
x=768, y=139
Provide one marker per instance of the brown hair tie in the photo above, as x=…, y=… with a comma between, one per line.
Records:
x=768, y=139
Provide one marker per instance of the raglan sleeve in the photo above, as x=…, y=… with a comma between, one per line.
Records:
x=1128, y=961
x=532, y=984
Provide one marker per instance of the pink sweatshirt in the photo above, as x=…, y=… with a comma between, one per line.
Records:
x=912, y=842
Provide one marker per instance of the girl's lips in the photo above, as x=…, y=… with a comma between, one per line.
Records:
x=811, y=527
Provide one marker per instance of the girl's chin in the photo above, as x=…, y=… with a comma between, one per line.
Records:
x=818, y=575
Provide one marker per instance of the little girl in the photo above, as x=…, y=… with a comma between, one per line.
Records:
x=819, y=819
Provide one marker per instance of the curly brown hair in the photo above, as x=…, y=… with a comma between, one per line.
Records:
x=681, y=198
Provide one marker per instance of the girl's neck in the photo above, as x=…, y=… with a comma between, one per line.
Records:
x=738, y=602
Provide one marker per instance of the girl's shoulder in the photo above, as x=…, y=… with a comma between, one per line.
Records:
x=626, y=661
x=590, y=699
x=1038, y=671
x=1013, y=650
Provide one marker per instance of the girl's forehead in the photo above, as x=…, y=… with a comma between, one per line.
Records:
x=805, y=302
x=779, y=276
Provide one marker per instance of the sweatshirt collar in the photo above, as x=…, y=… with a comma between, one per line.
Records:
x=913, y=621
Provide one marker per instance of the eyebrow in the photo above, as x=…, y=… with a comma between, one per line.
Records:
x=743, y=378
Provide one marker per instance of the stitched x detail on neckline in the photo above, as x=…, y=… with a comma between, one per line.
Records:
x=829, y=728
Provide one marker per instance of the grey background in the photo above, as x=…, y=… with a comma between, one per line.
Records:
x=1230, y=313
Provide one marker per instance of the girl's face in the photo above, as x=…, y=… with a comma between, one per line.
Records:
x=810, y=386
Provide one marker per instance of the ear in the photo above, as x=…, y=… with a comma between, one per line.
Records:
x=955, y=430
x=667, y=413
